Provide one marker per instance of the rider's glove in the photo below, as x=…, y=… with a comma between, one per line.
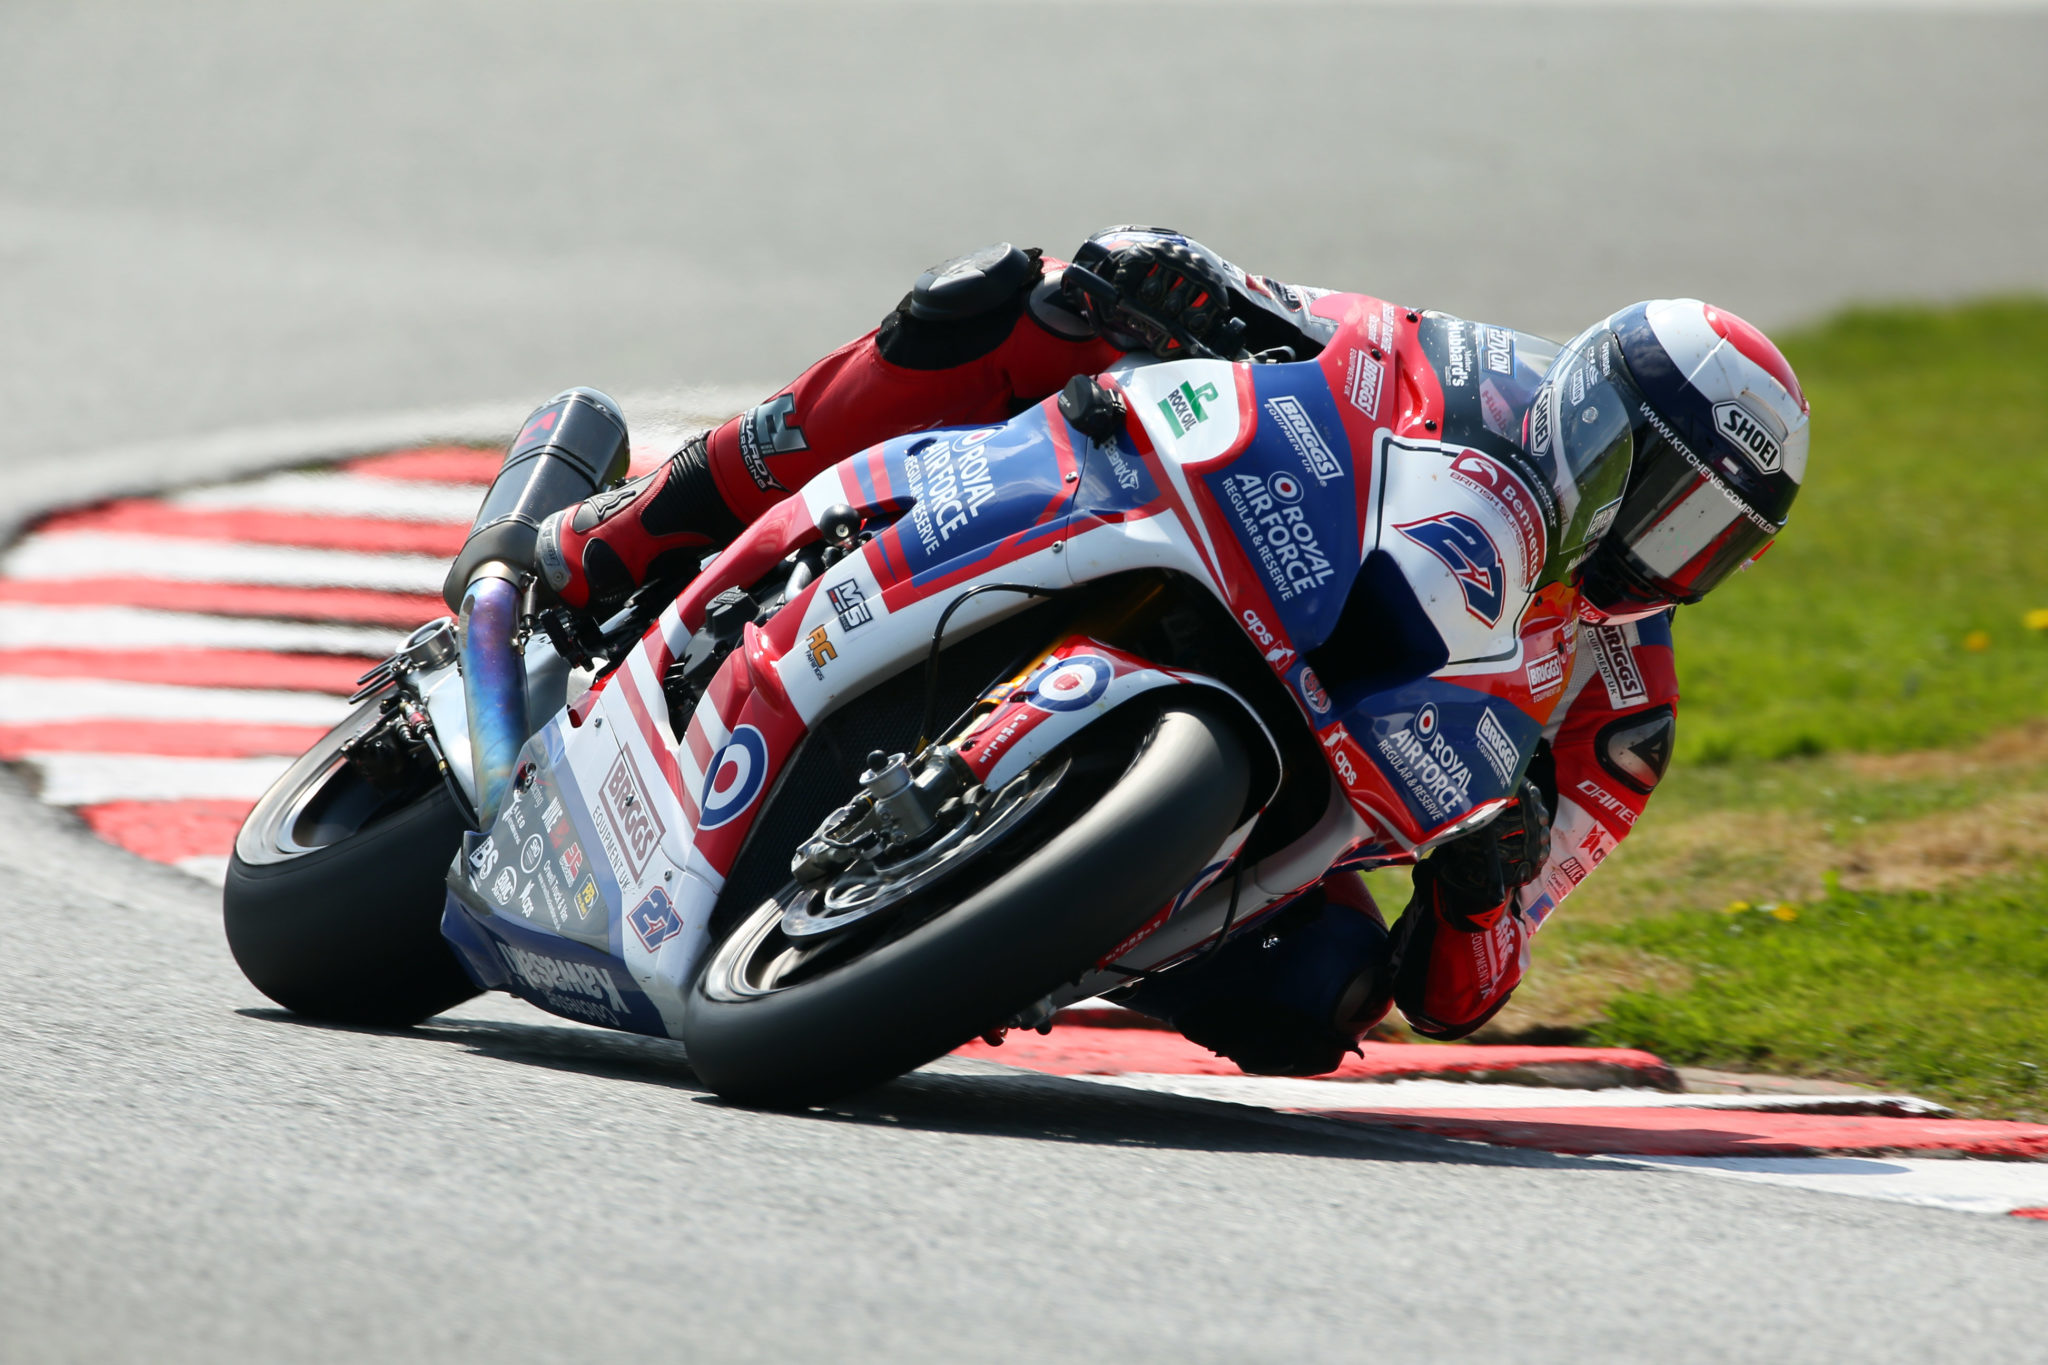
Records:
x=1169, y=294
x=1478, y=870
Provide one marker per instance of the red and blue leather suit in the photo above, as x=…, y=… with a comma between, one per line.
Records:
x=984, y=337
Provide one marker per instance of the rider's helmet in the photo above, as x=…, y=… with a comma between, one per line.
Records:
x=1716, y=422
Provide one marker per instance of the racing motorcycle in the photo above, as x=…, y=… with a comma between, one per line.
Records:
x=979, y=723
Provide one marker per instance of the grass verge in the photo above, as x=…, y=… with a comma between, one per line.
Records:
x=1944, y=993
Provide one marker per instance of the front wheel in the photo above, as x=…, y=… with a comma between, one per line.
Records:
x=776, y=1021
x=333, y=898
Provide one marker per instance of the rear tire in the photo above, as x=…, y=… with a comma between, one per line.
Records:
x=350, y=930
x=1036, y=926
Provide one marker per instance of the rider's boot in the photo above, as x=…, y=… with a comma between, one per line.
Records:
x=593, y=555
x=1290, y=998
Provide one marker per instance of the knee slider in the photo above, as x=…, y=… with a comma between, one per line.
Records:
x=959, y=310
x=970, y=285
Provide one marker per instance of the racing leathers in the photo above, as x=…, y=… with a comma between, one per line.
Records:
x=986, y=336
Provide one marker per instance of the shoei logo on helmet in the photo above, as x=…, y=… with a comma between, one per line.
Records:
x=1732, y=420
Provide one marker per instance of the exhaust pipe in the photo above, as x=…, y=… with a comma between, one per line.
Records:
x=572, y=446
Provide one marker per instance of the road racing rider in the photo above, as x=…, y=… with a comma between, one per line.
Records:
x=1718, y=428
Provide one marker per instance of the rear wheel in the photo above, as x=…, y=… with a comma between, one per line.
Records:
x=1082, y=850
x=333, y=898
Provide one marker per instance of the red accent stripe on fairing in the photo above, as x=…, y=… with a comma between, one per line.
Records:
x=193, y=667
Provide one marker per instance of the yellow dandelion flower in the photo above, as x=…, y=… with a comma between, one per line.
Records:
x=1784, y=913
x=1735, y=907
x=1977, y=641
x=2037, y=619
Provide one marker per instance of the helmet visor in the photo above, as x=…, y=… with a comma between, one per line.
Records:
x=1683, y=527
x=1581, y=433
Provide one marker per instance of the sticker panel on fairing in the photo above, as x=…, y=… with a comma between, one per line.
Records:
x=1445, y=750
x=972, y=489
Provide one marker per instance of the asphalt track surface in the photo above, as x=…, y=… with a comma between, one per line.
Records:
x=215, y=218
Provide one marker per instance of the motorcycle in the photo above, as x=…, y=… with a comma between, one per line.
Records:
x=980, y=723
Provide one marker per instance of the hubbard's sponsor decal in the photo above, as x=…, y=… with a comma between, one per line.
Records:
x=1295, y=424
x=1278, y=531
x=1431, y=770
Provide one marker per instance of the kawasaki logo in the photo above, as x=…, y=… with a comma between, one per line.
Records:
x=1183, y=407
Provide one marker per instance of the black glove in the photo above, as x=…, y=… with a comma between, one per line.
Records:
x=1170, y=296
x=1477, y=870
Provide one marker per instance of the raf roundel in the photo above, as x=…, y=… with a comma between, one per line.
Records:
x=1425, y=720
x=738, y=772
x=1072, y=684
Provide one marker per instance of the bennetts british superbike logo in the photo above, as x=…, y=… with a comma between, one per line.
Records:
x=1470, y=554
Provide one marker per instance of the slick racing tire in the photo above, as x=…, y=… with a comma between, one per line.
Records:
x=333, y=898
x=1087, y=879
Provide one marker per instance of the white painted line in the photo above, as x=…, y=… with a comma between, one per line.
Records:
x=88, y=779
x=34, y=700
x=341, y=495
x=129, y=628
x=1968, y=1186
x=99, y=554
x=1287, y=1092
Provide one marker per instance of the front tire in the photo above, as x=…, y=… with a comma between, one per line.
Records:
x=332, y=904
x=1035, y=926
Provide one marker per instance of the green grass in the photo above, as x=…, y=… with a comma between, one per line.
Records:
x=1944, y=994
x=1921, y=522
